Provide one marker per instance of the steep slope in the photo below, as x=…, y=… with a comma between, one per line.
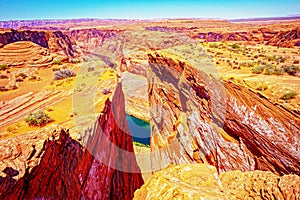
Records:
x=66, y=169
x=197, y=118
x=200, y=181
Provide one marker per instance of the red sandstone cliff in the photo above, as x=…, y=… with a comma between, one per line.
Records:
x=55, y=41
x=69, y=170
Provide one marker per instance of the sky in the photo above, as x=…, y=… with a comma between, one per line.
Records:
x=145, y=9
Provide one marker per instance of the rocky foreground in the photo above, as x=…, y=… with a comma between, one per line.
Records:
x=62, y=168
x=201, y=181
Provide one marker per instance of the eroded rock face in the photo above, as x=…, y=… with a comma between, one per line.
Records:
x=201, y=181
x=65, y=168
x=55, y=41
x=89, y=39
x=271, y=37
x=198, y=119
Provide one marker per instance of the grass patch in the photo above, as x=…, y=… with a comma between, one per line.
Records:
x=288, y=96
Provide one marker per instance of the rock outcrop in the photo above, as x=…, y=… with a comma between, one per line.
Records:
x=25, y=54
x=288, y=38
x=89, y=39
x=101, y=167
x=200, y=181
x=196, y=118
x=55, y=41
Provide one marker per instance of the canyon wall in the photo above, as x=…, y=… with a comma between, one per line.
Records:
x=65, y=168
x=288, y=38
x=197, y=118
x=55, y=41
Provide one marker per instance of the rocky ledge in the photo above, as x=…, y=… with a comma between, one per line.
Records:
x=201, y=181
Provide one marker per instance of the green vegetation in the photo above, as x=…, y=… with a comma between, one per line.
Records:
x=273, y=70
x=268, y=70
x=3, y=66
x=57, y=62
x=141, y=145
x=258, y=69
x=289, y=95
x=247, y=64
x=213, y=45
x=235, y=46
x=38, y=119
x=291, y=69
x=262, y=87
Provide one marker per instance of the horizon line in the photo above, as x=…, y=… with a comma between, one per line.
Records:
x=292, y=16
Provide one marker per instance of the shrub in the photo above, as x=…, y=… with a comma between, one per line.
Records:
x=49, y=108
x=273, y=70
x=247, y=64
x=91, y=69
x=21, y=75
x=262, y=87
x=3, y=66
x=38, y=119
x=291, y=70
x=213, y=45
x=3, y=76
x=288, y=96
x=258, y=69
x=296, y=62
x=235, y=46
x=57, y=62
x=64, y=73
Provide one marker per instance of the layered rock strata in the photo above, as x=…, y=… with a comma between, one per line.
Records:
x=197, y=118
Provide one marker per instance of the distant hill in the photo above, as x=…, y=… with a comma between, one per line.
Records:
x=294, y=17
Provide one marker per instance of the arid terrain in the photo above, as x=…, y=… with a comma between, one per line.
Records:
x=222, y=99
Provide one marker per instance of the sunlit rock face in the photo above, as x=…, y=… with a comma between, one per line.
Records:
x=101, y=166
x=196, y=118
x=56, y=41
x=201, y=181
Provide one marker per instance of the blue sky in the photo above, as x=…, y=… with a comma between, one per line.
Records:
x=148, y=9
